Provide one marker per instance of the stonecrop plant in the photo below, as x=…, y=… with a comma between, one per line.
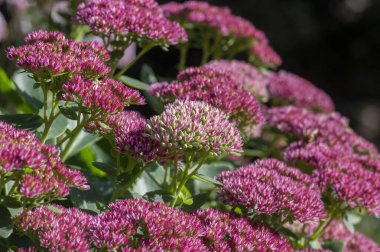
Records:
x=227, y=155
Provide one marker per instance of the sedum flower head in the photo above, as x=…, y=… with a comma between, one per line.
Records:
x=191, y=126
x=158, y=225
x=100, y=96
x=50, y=54
x=216, y=87
x=126, y=20
x=39, y=167
x=61, y=230
x=228, y=233
x=270, y=187
x=250, y=78
x=291, y=88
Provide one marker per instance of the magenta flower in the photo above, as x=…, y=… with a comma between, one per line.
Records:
x=115, y=228
x=270, y=187
x=228, y=233
x=50, y=54
x=194, y=127
x=216, y=87
x=245, y=75
x=174, y=244
x=42, y=173
x=129, y=20
x=106, y=96
x=291, y=88
x=61, y=230
x=262, y=54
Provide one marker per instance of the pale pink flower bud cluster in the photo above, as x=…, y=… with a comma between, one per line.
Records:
x=100, y=96
x=246, y=75
x=227, y=233
x=270, y=187
x=216, y=87
x=48, y=54
x=122, y=20
x=293, y=89
x=42, y=172
x=342, y=160
x=192, y=126
x=61, y=230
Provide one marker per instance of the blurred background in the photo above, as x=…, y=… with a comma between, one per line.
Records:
x=333, y=43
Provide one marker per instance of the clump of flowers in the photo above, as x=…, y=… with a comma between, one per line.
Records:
x=58, y=230
x=132, y=223
x=52, y=58
x=227, y=233
x=246, y=75
x=270, y=187
x=215, y=87
x=195, y=127
x=215, y=29
x=287, y=87
x=36, y=169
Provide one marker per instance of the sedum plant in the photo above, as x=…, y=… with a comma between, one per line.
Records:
x=226, y=156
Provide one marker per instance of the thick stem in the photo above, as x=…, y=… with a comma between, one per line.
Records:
x=130, y=64
x=205, y=49
x=184, y=48
x=50, y=120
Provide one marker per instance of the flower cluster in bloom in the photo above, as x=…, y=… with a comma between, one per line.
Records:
x=123, y=20
x=100, y=96
x=61, y=230
x=49, y=54
x=353, y=241
x=228, y=233
x=291, y=88
x=41, y=171
x=192, y=126
x=270, y=187
x=343, y=161
x=215, y=87
x=246, y=75
x=160, y=225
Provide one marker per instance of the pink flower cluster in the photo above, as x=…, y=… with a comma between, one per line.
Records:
x=342, y=160
x=192, y=127
x=41, y=171
x=228, y=233
x=100, y=96
x=137, y=225
x=122, y=20
x=61, y=230
x=49, y=54
x=245, y=75
x=216, y=87
x=270, y=187
x=262, y=54
x=291, y=88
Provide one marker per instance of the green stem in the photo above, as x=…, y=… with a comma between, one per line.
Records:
x=205, y=49
x=50, y=120
x=184, y=48
x=138, y=56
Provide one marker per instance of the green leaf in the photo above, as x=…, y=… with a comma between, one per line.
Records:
x=85, y=199
x=6, y=84
x=6, y=227
x=209, y=172
x=156, y=104
x=315, y=245
x=334, y=246
x=10, y=202
x=350, y=220
x=147, y=74
x=206, y=179
x=133, y=83
x=109, y=169
x=23, y=121
x=197, y=202
x=82, y=141
x=158, y=196
x=69, y=112
x=25, y=86
x=58, y=127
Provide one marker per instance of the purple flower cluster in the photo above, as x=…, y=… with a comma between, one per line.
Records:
x=291, y=88
x=49, y=54
x=123, y=20
x=227, y=233
x=39, y=167
x=245, y=75
x=192, y=126
x=342, y=160
x=61, y=230
x=270, y=187
x=215, y=87
x=100, y=96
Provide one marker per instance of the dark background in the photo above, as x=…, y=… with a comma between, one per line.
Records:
x=333, y=43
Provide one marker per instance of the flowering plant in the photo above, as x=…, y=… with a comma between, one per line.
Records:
x=237, y=157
